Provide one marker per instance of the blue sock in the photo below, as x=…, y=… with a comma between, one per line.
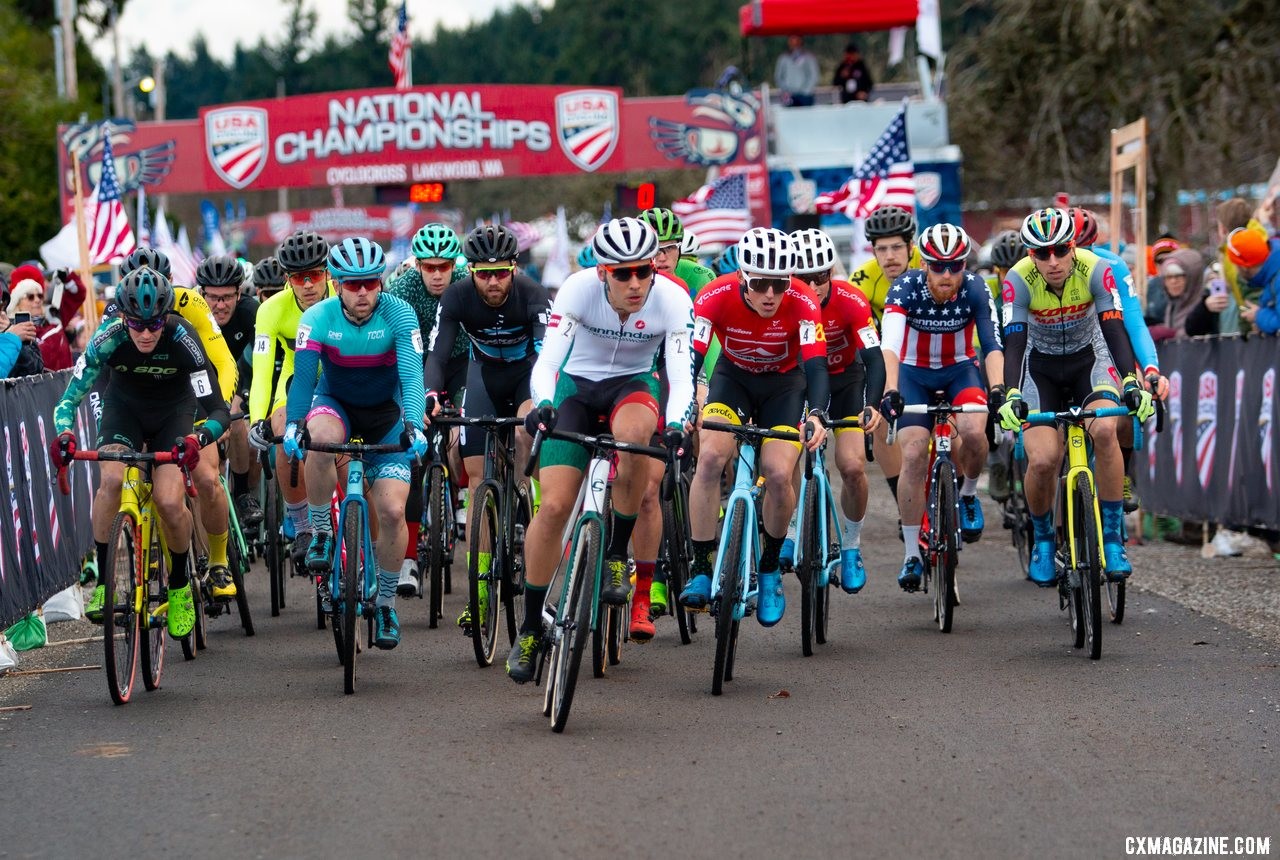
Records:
x=387, y=580
x=1043, y=524
x=1112, y=520
x=321, y=518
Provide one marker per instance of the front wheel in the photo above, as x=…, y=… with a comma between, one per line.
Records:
x=809, y=568
x=431, y=558
x=574, y=620
x=274, y=550
x=120, y=622
x=731, y=582
x=483, y=582
x=1115, y=601
x=1089, y=565
x=152, y=650
x=352, y=592
x=944, y=538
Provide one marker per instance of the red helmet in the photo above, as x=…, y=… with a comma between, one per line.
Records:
x=944, y=243
x=1086, y=225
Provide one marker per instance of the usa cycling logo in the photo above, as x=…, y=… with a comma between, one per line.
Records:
x=587, y=126
x=236, y=143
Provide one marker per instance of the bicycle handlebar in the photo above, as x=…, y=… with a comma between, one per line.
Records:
x=127, y=457
x=1075, y=416
x=747, y=430
x=486, y=421
x=353, y=448
x=943, y=408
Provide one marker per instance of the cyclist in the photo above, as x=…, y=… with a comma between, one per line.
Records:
x=856, y=371
x=930, y=318
x=597, y=366
x=160, y=372
x=1006, y=250
x=269, y=278
x=770, y=326
x=432, y=268
x=370, y=349
x=301, y=257
x=670, y=259
x=503, y=313
x=1063, y=303
x=219, y=279
x=690, y=247
x=726, y=262
x=891, y=230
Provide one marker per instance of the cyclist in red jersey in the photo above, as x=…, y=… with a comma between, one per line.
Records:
x=770, y=327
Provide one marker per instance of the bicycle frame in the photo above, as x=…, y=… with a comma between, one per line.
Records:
x=830, y=532
x=747, y=490
x=592, y=500
x=355, y=498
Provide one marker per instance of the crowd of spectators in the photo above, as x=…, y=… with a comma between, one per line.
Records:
x=39, y=326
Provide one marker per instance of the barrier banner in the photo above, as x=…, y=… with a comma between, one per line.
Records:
x=43, y=534
x=1214, y=460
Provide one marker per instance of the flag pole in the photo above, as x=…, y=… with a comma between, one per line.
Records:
x=86, y=271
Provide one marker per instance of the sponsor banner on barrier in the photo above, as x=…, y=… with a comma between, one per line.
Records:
x=43, y=534
x=1214, y=461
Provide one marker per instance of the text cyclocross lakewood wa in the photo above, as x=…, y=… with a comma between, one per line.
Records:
x=1192, y=846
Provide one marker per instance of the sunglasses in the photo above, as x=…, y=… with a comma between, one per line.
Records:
x=667, y=249
x=215, y=299
x=949, y=268
x=627, y=273
x=151, y=325
x=313, y=276
x=435, y=268
x=1055, y=251
x=36, y=297
x=777, y=286
x=815, y=277
x=355, y=285
x=494, y=273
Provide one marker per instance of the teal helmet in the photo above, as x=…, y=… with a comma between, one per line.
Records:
x=727, y=261
x=587, y=257
x=435, y=240
x=356, y=258
x=145, y=295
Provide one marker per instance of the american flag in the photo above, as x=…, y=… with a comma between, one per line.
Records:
x=718, y=212
x=398, y=57
x=110, y=236
x=886, y=177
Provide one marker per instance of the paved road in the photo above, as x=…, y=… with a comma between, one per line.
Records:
x=998, y=740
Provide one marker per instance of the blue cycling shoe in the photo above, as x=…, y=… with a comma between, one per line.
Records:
x=289, y=531
x=787, y=555
x=772, y=603
x=386, y=626
x=697, y=594
x=911, y=575
x=852, y=574
x=1041, y=571
x=320, y=552
x=1117, y=560
x=971, y=521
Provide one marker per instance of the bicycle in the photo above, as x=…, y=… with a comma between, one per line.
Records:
x=733, y=579
x=1013, y=511
x=353, y=578
x=237, y=564
x=940, y=540
x=136, y=577
x=436, y=530
x=1078, y=558
x=676, y=552
x=575, y=617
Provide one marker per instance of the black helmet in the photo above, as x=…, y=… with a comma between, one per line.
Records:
x=303, y=251
x=1007, y=249
x=149, y=257
x=886, y=221
x=491, y=243
x=145, y=295
x=268, y=274
x=219, y=270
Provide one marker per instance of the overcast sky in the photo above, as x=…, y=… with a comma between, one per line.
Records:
x=226, y=22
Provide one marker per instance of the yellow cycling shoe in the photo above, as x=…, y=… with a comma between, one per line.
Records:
x=182, y=611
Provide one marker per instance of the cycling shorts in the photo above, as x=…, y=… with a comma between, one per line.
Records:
x=848, y=395
x=1053, y=383
x=374, y=425
x=771, y=400
x=244, y=377
x=960, y=383
x=493, y=390
x=140, y=426
x=588, y=406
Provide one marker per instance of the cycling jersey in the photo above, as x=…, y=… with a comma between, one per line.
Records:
x=239, y=329
x=410, y=287
x=694, y=274
x=506, y=334
x=870, y=280
x=924, y=332
x=587, y=339
x=275, y=330
x=1144, y=348
x=191, y=306
x=171, y=374
x=365, y=365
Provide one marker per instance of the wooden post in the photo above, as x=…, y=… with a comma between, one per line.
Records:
x=1129, y=150
x=86, y=268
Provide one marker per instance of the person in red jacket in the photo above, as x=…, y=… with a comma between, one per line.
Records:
x=49, y=308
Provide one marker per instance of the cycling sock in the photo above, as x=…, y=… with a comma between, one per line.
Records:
x=704, y=557
x=893, y=486
x=320, y=517
x=852, y=533
x=411, y=545
x=178, y=569
x=298, y=515
x=770, y=548
x=620, y=535
x=911, y=542
x=101, y=550
x=239, y=483
x=1112, y=520
x=387, y=580
x=218, y=549
x=534, y=597
x=644, y=577
x=969, y=486
x=1043, y=525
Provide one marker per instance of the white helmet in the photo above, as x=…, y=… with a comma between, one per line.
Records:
x=624, y=240
x=766, y=251
x=689, y=245
x=815, y=252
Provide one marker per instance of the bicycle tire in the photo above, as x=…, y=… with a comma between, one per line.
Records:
x=811, y=563
x=321, y=615
x=822, y=608
x=1115, y=601
x=434, y=510
x=599, y=633
x=584, y=569
x=239, y=565
x=483, y=539
x=152, y=650
x=512, y=572
x=352, y=592
x=1021, y=531
x=944, y=526
x=730, y=586
x=119, y=608
x=1087, y=550
x=274, y=547
x=676, y=554
x=619, y=624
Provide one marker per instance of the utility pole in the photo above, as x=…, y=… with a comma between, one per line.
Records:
x=117, y=71
x=159, y=94
x=67, y=15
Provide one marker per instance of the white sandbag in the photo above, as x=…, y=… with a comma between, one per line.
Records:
x=66, y=605
x=8, y=656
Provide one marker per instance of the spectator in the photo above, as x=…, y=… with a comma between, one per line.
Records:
x=28, y=296
x=1156, y=298
x=1190, y=311
x=796, y=73
x=1231, y=214
x=852, y=76
x=1258, y=261
x=19, y=352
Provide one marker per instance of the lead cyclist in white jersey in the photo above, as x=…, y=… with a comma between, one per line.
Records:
x=595, y=371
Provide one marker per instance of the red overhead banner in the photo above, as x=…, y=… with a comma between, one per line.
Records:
x=803, y=17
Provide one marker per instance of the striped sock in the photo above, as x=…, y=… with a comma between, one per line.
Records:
x=387, y=580
x=321, y=519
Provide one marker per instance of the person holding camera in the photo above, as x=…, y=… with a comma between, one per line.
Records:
x=1193, y=306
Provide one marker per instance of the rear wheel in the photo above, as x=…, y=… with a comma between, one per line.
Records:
x=574, y=620
x=730, y=587
x=120, y=623
x=152, y=647
x=1090, y=567
x=1115, y=601
x=197, y=640
x=676, y=555
x=944, y=525
x=352, y=592
x=237, y=556
x=512, y=572
x=481, y=574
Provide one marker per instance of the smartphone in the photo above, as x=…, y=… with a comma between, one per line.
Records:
x=1217, y=287
x=21, y=318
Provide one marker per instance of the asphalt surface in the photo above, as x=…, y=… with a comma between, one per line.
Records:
x=998, y=740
